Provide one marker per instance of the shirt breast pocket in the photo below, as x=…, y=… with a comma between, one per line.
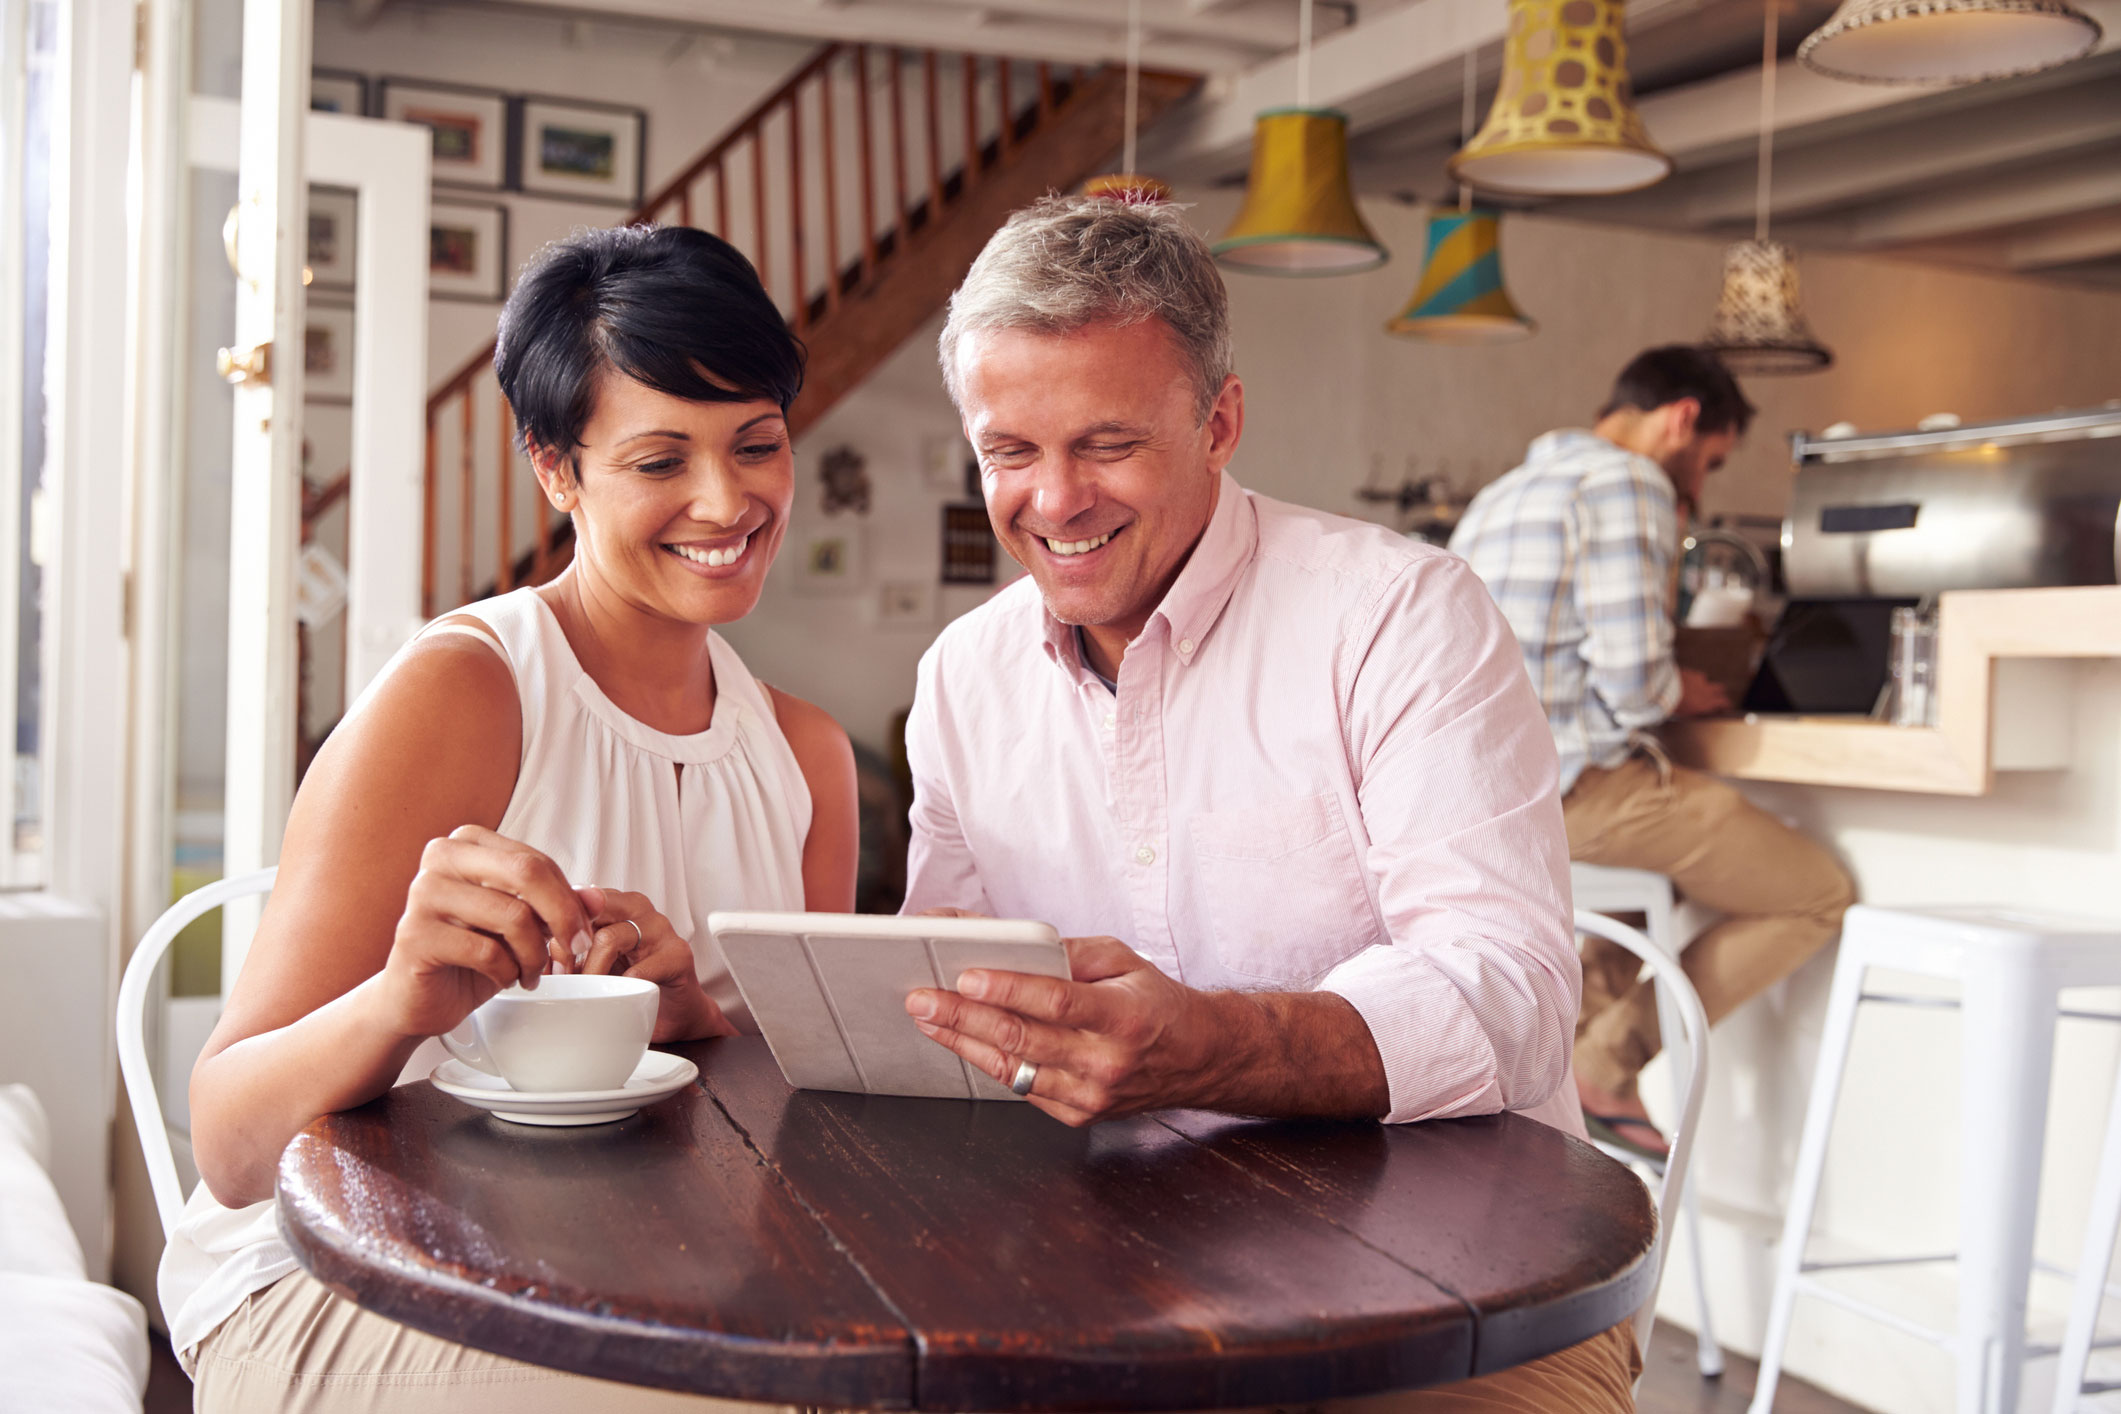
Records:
x=1281, y=888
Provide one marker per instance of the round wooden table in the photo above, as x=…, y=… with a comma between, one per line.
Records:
x=751, y=1241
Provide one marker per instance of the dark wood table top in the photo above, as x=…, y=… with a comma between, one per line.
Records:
x=751, y=1241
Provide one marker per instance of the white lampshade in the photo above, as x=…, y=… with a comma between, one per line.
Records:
x=1947, y=41
x=1759, y=325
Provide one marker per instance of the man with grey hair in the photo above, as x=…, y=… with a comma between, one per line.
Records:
x=1293, y=760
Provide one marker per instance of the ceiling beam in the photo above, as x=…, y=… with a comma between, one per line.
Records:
x=2061, y=190
x=2099, y=239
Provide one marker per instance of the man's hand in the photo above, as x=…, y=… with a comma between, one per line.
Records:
x=1119, y=1039
x=1122, y=1038
x=1698, y=697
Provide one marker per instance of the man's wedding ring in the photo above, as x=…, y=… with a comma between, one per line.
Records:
x=640, y=938
x=1026, y=1074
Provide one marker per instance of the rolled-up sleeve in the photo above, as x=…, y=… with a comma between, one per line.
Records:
x=1472, y=1001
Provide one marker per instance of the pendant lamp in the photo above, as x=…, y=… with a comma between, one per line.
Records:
x=1946, y=41
x=1759, y=326
x=1563, y=122
x=1299, y=216
x=1460, y=297
x=1128, y=185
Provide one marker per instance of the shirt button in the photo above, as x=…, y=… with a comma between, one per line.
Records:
x=1145, y=855
x=1185, y=645
x=1111, y=721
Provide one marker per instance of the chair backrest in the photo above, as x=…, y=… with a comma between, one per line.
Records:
x=1675, y=989
x=132, y=1033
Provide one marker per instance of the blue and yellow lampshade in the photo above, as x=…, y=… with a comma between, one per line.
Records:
x=1299, y=216
x=1460, y=299
x=1563, y=122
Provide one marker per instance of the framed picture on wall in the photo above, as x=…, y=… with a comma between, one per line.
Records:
x=580, y=150
x=467, y=251
x=331, y=239
x=336, y=91
x=968, y=544
x=832, y=561
x=327, y=354
x=470, y=127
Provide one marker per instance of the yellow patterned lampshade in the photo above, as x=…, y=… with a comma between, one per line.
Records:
x=1946, y=41
x=1759, y=326
x=1461, y=299
x=1131, y=187
x=1563, y=122
x=1299, y=216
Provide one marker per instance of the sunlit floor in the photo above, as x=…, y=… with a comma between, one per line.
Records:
x=1672, y=1386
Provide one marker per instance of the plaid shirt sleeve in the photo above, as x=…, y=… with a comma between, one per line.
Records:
x=1628, y=533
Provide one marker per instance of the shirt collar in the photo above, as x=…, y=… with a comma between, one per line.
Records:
x=1203, y=588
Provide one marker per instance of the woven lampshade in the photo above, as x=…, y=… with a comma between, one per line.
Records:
x=1460, y=298
x=1563, y=122
x=1131, y=187
x=1946, y=41
x=1759, y=325
x=1299, y=216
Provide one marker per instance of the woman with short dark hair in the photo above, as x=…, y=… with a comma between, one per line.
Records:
x=568, y=777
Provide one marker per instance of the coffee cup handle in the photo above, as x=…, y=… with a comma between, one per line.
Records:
x=465, y=1045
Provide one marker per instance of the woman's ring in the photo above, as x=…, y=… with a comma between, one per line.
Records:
x=1026, y=1074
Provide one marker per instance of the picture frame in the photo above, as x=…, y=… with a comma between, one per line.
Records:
x=580, y=150
x=969, y=549
x=338, y=91
x=832, y=560
x=470, y=126
x=332, y=222
x=328, y=354
x=467, y=251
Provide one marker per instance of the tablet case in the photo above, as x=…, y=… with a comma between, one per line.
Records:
x=829, y=990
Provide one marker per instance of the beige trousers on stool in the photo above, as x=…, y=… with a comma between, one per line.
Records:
x=296, y=1348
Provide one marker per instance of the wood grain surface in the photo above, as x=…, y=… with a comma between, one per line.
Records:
x=751, y=1241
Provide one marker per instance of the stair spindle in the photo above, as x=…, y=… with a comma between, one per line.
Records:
x=758, y=207
x=971, y=124
x=830, y=172
x=1007, y=138
x=898, y=153
x=868, y=145
x=799, y=282
x=721, y=200
x=504, y=577
x=935, y=139
x=1045, y=93
x=685, y=206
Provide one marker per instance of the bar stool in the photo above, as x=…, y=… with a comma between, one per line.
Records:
x=2011, y=966
x=1602, y=890
x=2080, y=1340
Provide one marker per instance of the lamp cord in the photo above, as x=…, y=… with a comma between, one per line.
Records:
x=1134, y=79
x=1303, y=54
x=1465, y=130
x=1767, y=123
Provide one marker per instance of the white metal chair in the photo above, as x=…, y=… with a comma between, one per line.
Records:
x=1608, y=891
x=132, y=1032
x=1687, y=1034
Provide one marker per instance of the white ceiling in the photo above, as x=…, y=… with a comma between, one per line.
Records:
x=2019, y=175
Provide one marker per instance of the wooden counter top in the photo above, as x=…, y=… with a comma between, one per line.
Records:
x=1976, y=630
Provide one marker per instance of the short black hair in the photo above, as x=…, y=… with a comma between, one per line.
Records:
x=1664, y=375
x=667, y=306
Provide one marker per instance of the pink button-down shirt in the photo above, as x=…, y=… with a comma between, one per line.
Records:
x=1324, y=768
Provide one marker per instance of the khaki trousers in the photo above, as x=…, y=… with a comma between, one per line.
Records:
x=1782, y=897
x=296, y=1348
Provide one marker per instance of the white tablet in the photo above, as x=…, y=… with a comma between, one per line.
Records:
x=829, y=992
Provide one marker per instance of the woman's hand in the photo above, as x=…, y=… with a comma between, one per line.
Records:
x=629, y=937
x=483, y=913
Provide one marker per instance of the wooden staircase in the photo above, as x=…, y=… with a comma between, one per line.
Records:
x=861, y=189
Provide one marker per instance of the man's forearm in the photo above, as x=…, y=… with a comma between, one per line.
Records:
x=1292, y=1053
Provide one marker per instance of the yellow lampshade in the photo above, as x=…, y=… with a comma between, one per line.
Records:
x=1461, y=299
x=1563, y=122
x=1946, y=41
x=1759, y=325
x=1130, y=187
x=1299, y=216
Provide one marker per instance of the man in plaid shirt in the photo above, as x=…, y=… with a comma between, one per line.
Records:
x=1578, y=547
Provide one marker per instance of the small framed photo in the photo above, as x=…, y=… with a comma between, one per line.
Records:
x=470, y=128
x=328, y=354
x=467, y=251
x=581, y=150
x=831, y=561
x=336, y=91
x=330, y=259
x=968, y=545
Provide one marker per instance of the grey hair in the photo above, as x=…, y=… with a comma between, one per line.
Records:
x=1065, y=262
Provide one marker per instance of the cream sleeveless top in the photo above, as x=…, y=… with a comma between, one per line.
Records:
x=716, y=820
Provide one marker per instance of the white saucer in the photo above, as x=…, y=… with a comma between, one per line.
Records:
x=659, y=1074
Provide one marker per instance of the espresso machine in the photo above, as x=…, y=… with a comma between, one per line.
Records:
x=1877, y=523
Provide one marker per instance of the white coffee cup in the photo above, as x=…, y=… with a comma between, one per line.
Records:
x=574, y=1032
